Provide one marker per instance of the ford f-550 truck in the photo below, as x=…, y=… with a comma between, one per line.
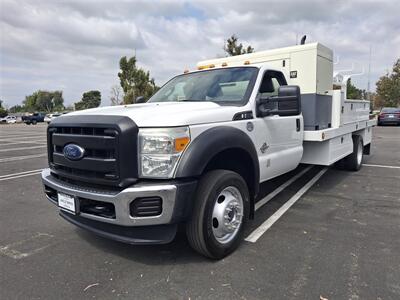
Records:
x=196, y=152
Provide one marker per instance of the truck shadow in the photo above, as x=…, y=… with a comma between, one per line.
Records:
x=176, y=252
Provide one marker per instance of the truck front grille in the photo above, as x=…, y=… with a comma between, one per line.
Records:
x=110, y=150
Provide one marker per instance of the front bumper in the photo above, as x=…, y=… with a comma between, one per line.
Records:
x=176, y=206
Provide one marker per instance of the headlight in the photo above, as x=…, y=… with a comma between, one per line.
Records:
x=160, y=149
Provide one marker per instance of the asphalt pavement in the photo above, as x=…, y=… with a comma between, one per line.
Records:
x=322, y=233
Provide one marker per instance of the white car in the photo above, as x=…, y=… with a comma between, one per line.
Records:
x=50, y=117
x=9, y=120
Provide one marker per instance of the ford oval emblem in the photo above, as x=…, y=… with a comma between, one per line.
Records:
x=73, y=152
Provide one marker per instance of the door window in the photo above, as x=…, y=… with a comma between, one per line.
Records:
x=269, y=87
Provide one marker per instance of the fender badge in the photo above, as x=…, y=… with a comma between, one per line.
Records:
x=249, y=126
x=264, y=148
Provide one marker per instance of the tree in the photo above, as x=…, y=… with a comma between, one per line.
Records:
x=353, y=92
x=116, y=95
x=232, y=47
x=90, y=99
x=388, y=87
x=49, y=101
x=377, y=101
x=30, y=102
x=44, y=101
x=3, y=111
x=135, y=81
x=16, y=109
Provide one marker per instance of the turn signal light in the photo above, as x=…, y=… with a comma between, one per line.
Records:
x=181, y=143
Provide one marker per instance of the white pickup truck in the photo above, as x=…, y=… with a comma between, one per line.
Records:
x=196, y=152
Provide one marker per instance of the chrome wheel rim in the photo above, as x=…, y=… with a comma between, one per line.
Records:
x=227, y=215
x=359, y=154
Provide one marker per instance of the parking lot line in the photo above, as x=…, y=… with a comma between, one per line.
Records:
x=271, y=195
x=42, y=142
x=382, y=166
x=15, y=158
x=23, y=148
x=11, y=250
x=20, y=173
x=13, y=138
x=19, y=176
x=258, y=232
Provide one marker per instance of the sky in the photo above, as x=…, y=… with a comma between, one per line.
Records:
x=75, y=46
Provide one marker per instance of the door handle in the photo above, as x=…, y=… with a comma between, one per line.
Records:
x=297, y=124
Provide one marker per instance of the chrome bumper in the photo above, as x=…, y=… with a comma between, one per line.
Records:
x=121, y=200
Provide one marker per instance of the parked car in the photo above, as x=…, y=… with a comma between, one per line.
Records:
x=34, y=118
x=9, y=120
x=389, y=115
x=50, y=117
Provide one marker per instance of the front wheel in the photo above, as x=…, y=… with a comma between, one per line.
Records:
x=219, y=213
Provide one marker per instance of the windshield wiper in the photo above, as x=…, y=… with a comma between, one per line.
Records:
x=191, y=100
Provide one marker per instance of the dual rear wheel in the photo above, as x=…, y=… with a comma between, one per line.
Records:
x=353, y=162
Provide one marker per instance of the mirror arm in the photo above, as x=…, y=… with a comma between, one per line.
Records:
x=261, y=111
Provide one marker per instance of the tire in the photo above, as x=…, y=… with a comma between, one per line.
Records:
x=353, y=162
x=216, y=195
x=34, y=122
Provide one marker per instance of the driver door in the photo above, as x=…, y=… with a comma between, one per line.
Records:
x=280, y=138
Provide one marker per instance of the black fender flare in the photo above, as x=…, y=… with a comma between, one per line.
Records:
x=211, y=142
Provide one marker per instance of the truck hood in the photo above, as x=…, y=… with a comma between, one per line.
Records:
x=167, y=114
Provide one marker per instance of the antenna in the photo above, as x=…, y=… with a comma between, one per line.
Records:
x=369, y=76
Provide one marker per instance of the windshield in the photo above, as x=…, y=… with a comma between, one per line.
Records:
x=390, y=110
x=230, y=86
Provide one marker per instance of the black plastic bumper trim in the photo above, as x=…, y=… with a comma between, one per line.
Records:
x=143, y=235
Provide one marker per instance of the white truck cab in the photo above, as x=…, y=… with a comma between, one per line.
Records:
x=197, y=151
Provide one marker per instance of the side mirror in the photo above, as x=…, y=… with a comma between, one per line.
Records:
x=287, y=103
x=140, y=99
